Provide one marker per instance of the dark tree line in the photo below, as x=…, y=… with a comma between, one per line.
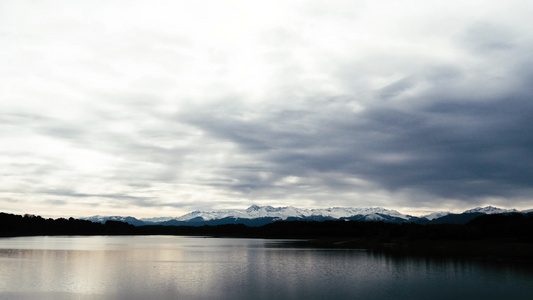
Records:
x=518, y=227
x=17, y=225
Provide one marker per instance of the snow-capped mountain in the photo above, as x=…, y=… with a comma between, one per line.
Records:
x=436, y=215
x=283, y=213
x=259, y=215
x=489, y=210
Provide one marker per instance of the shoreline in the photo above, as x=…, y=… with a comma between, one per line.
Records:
x=493, y=249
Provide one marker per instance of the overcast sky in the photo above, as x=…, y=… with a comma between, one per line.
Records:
x=158, y=108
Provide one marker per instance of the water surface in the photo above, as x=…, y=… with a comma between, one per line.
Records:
x=170, y=267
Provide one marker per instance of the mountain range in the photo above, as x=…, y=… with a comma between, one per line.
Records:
x=260, y=215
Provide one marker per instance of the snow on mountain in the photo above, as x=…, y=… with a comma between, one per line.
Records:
x=282, y=213
x=436, y=215
x=103, y=219
x=157, y=219
x=484, y=210
x=252, y=212
x=489, y=210
x=343, y=212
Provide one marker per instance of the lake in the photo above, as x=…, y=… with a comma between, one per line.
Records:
x=174, y=267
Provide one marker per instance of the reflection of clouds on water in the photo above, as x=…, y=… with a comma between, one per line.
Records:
x=205, y=268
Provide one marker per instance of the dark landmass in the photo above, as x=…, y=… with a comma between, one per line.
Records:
x=500, y=236
x=457, y=218
x=30, y=225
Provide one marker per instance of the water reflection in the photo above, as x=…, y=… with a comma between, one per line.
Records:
x=164, y=267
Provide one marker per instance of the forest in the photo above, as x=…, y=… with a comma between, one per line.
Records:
x=512, y=226
x=501, y=235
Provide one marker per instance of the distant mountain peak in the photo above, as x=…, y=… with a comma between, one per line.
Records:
x=436, y=215
x=489, y=210
x=253, y=207
x=283, y=213
x=256, y=214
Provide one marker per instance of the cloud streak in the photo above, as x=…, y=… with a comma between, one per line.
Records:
x=161, y=109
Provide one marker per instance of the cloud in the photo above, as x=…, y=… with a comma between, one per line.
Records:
x=432, y=141
x=179, y=106
x=485, y=38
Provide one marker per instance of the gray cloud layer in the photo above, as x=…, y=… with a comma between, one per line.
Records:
x=309, y=107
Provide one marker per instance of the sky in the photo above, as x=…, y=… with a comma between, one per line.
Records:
x=158, y=108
